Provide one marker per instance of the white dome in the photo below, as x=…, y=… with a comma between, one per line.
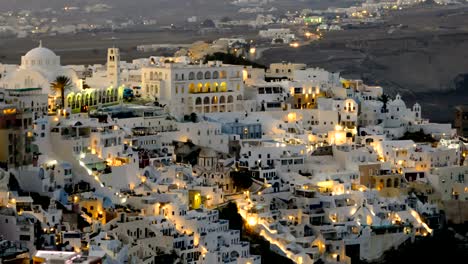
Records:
x=40, y=57
x=398, y=102
x=40, y=53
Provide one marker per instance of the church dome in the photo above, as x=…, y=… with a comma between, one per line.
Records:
x=207, y=153
x=40, y=53
x=398, y=102
x=40, y=56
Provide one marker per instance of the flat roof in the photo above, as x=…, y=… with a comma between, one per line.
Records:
x=55, y=255
x=24, y=89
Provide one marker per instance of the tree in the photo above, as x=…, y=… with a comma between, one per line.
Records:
x=230, y=213
x=193, y=117
x=241, y=179
x=61, y=84
x=384, y=99
x=418, y=136
x=228, y=58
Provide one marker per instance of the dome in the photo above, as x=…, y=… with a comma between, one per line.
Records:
x=40, y=53
x=207, y=153
x=41, y=57
x=398, y=102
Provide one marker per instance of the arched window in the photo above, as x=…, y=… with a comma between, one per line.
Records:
x=230, y=99
x=192, y=88
x=215, y=87
x=223, y=75
x=207, y=88
x=207, y=75
x=199, y=75
x=200, y=88
x=239, y=97
x=191, y=76
x=198, y=101
x=223, y=87
x=86, y=99
x=222, y=99
x=78, y=101
x=389, y=183
x=95, y=98
x=215, y=75
x=206, y=100
x=214, y=100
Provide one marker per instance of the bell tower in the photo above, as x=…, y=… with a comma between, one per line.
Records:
x=113, y=66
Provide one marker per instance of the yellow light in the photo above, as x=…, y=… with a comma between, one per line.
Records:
x=9, y=111
x=338, y=128
x=252, y=221
x=252, y=50
x=294, y=45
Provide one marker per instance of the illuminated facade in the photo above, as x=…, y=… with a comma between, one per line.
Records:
x=186, y=88
x=16, y=133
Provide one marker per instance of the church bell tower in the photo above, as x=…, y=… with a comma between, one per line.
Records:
x=113, y=66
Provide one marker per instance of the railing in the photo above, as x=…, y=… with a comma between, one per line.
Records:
x=25, y=229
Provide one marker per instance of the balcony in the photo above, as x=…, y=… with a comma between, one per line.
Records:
x=25, y=229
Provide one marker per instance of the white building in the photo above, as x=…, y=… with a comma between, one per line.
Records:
x=39, y=67
x=187, y=88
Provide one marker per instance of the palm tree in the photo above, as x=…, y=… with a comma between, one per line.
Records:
x=61, y=84
x=384, y=99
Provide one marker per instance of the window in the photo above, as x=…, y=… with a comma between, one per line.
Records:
x=25, y=238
